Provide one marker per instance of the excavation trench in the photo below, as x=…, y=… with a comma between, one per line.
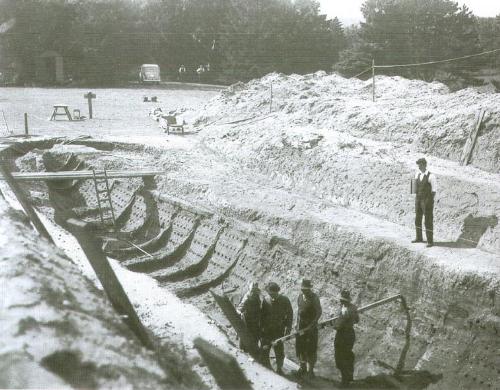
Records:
x=190, y=250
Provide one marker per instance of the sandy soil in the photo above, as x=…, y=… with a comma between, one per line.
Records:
x=59, y=331
x=116, y=112
x=318, y=166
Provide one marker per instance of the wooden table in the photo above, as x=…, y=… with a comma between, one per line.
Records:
x=65, y=112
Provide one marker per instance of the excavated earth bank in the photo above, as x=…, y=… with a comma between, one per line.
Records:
x=226, y=232
x=59, y=331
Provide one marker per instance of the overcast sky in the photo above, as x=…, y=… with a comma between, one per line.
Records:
x=348, y=11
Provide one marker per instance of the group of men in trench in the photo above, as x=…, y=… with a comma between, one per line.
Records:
x=271, y=318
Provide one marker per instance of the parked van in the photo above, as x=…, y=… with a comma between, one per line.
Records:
x=149, y=73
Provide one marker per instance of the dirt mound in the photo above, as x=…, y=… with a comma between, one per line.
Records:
x=422, y=116
x=326, y=137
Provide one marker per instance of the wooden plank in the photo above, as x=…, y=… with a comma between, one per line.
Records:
x=224, y=367
x=471, y=140
x=236, y=322
x=91, y=246
x=23, y=199
x=62, y=175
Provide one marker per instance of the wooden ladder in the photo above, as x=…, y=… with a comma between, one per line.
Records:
x=103, y=195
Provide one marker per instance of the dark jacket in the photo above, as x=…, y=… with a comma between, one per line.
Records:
x=277, y=314
x=347, y=318
x=249, y=308
x=309, y=310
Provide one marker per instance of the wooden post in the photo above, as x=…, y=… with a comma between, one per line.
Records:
x=23, y=199
x=247, y=339
x=26, y=124
x=5, y=120
x=471, y=139
x=89, y=96
x=92, y=247
x=223, y=367
x=373, y=79
x=271, y=100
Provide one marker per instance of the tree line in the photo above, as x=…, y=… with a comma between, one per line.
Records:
x=104, y=42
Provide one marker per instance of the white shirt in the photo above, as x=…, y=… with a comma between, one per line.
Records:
x=432, y=179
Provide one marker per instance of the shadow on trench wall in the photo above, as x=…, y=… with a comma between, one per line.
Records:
x=472, y=231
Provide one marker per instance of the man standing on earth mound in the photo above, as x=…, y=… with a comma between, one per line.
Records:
x=426, y=186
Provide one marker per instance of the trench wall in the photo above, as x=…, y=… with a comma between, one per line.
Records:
x=456, y=314
x=366, y=176
x=59, y=331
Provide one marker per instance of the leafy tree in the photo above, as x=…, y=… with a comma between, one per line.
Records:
x=104, y=41
x=489, y=38
x=413, y=31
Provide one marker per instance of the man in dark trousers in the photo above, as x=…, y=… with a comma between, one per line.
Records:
x=426, y=187
x=250, y=311
x=345, y=337
x=276, y=321
x=308, y=314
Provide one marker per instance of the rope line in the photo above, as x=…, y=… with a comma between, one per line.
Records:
x=437, y=62
x=359, y=74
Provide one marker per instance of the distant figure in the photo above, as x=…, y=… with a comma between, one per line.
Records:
x=249, y=309
x=182, y=72
x=426, y=186
x=276, y=322
x=308, y=314
x=200, y=71
x=207, y=67
x=345, y=337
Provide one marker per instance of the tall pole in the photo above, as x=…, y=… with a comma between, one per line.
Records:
x=89, y=96
x=271, y=100
x=373, y=79
x=26, y=124
x=5, y=120
x=331, y=321
x=90, y=106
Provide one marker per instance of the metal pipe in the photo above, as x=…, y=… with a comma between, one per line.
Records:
x=330, y=321
x=62, y=175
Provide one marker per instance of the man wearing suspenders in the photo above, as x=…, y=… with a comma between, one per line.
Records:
x=424, y=202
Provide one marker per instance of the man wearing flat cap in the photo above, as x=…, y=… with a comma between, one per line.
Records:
x=276, y=321
x=345, y=337
x=308, y=314
x=426, y=186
